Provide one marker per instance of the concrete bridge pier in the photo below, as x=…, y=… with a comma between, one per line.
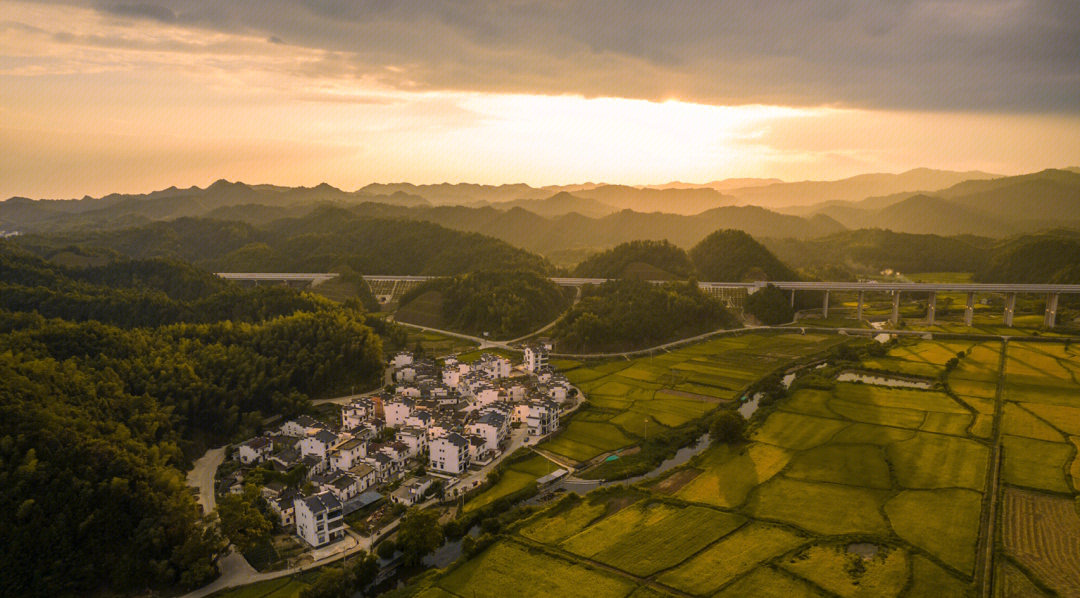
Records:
x=931, y=308
x=858, y=307
x=792, y=298
x=895, y=308
x=825, y=307
x=969, y=311
x=1050, y=318
x=1010, y=308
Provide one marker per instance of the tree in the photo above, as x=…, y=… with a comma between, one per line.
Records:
x=333, y=582
x=419, y=534
x=770, y=306
x=728, y=427
x=242, y=522
x=365, y=568
x=386, y=549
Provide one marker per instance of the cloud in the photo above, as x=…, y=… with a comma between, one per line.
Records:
x=962, y=55
x=149, y=11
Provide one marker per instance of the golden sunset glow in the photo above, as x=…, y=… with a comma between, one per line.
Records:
x=96, y=101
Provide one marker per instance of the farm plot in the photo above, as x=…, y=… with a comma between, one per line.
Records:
x=848, y=574
x=1041, y=531
x=736, y=554
x=1036, y=463
x=629, y=400
x=729, y=474
x=530, y=572
x=638, y=539
x=939, y=461
x=766, y=582
x=826, y=509
x=516, y=477
x=944, y=523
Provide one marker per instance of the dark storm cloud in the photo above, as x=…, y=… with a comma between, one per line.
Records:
x=969, y=55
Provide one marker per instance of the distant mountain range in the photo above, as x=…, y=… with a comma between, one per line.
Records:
x=594, y=216
x=995, y=207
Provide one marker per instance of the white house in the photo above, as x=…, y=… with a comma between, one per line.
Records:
x=397, y=410
x=449, y=454
x=487, y=396
x=417, y=419
x=405, y=374
x=451, y=377
x=492, y=427
x=536, y=358
x=411, y=491
x=318, y=444
x=414, y=438
x=364, y=474
x=520, y=414
x=255, y=450
x=319, y=518
x=355, y=413
x=305, y=425
x=493, y=366
x=343, y=486
x=543, y=417
x=347, y=454
x=401, y=359
x=285, y=509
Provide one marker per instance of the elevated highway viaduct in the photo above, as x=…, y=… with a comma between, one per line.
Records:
x=1052, y=292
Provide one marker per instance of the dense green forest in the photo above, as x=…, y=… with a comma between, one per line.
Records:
x=733, y=256
x=872, y=250
x=649, y=260
x=504, y=304
x=1053, y=257
x=113, y=381
x=327, y=239
x=626, y=314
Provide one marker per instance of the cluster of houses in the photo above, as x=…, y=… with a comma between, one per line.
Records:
x=447, y=418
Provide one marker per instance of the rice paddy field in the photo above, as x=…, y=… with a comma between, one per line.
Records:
x=516, y=477
x=1040, y=520
x=629, y=399
x=854, y=490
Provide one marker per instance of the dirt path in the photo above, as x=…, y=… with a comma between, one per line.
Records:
x=984, y=568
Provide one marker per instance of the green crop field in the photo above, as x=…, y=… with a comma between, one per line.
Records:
x=517, y=476
x=903, y=470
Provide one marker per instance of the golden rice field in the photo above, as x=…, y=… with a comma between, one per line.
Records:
x=628, y=399
x=903, y=470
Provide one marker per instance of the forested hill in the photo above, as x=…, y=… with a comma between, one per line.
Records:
x=506, y=304
x=647, y=260
x=623, y=315
x=327, y=239
x=869, y=251
x=733, y=256
x=134, y=368
x=1052, y=257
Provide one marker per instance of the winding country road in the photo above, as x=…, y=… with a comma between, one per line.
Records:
x=201, y=477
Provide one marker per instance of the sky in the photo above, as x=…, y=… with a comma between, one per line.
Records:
x=99, y=96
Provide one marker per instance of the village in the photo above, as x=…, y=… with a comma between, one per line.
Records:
x=432, y=434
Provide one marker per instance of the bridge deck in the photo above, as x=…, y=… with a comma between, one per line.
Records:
x=904, y=287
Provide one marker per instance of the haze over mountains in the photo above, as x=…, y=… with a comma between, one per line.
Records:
x=591, y=216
